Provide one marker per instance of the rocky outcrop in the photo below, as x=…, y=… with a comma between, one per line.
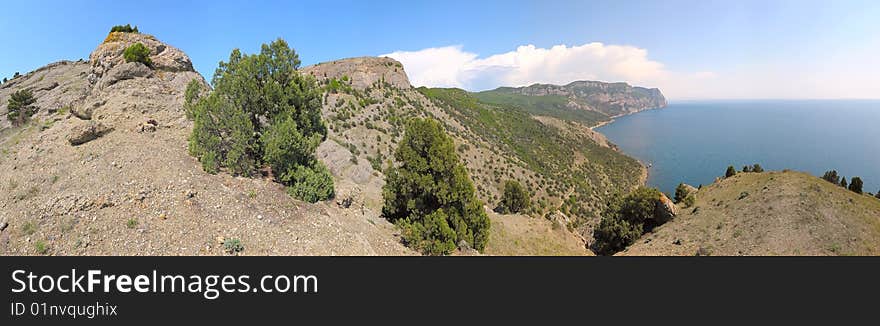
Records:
x=86, y=132
x=362, y=72
x=665, y=209
x=109, y=55
x=611, y=99
x=124, y=71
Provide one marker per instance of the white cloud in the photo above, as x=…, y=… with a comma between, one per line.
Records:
x=451, y=66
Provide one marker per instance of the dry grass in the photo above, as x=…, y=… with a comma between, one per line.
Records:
x=784, y=213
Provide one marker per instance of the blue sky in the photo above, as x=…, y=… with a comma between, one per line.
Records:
x=690, y=49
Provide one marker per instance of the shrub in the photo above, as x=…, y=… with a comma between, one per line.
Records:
x=625, y=220
x=262, y=111
x=747, y=168
x=731, y=171
x=222, y=136
x=515, y=198
x=20, y=107
x=878, y=194
x=233, y=246
x=430, y=195
x=855, y=185
x=831, y=176
x=757, y=168
x=131, y=223
x=191, y=97
x=124, y=29
x=137, y=52
x=681, y=192
x=41, y=247
x=311, y=184
x=843, y=182
x=690, y=200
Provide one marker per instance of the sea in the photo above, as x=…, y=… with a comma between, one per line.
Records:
x=694, y=141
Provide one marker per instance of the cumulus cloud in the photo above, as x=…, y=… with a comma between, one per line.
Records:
x=451, y=66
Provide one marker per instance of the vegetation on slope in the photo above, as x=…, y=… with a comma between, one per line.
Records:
x=262, y=112
x=573, y=168
x=771, y=213
x=542, y=105
x=430, y=196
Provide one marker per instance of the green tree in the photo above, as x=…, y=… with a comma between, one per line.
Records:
x=515, y=199
x=681, y=192
x=430, y=195
x=731, y=171
x=747, y=168
x=20, y=107
x=137, y=52
x=878, y=194
x=124, y=29
x=625, y=220
x=5, y=80
x=757, y=168
x=855, y=185
x=843, y=182
x=831, y=176
x=263, y=111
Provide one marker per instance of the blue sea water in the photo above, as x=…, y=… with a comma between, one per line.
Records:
x=694, y=142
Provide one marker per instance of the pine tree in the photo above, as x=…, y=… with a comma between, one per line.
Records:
x=20, y=107
x=831, y=176
x=430, y=195
x=731, y=171
x=757, y=168
x=855, y=185
x=515, y=198
x=262, y=111
x=843, y=182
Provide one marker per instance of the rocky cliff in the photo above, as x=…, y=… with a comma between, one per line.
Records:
x=103, y=169
x=611, y=99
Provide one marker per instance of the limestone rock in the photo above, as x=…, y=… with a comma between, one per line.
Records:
x=128, y=70
x=363, y=72
x=665, y=209
x=86, y=132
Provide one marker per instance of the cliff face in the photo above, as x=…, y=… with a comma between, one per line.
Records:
x=611, y=99
x=362, y=72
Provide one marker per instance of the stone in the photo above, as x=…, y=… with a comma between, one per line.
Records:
x=125, y=71
x=665, y=209
x=87, y=132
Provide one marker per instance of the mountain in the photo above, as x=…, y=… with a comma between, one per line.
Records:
x=771, y=213
x=103, y=168
x=129, y=186
x=589, y=102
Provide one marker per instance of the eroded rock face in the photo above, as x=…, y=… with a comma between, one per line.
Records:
x=363, y=72
x=86, y=132
x=124, y=71
x=665, y=209
x=110, y=54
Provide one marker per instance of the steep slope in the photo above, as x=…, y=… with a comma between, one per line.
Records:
x=774, y=213
x=588, y=102
x=132, y=188
x=566, y=165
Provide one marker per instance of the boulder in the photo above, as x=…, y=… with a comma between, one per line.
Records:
x=86, y=132
x=85, y=112
x=128, y=70
x=665, y=209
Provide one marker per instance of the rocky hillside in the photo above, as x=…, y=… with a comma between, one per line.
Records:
x=103, y=166
x=590, y=102
x=773, y=213
x=568, y=168
x=103, y=169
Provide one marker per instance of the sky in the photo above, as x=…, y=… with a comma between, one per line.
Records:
x=689, y=49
